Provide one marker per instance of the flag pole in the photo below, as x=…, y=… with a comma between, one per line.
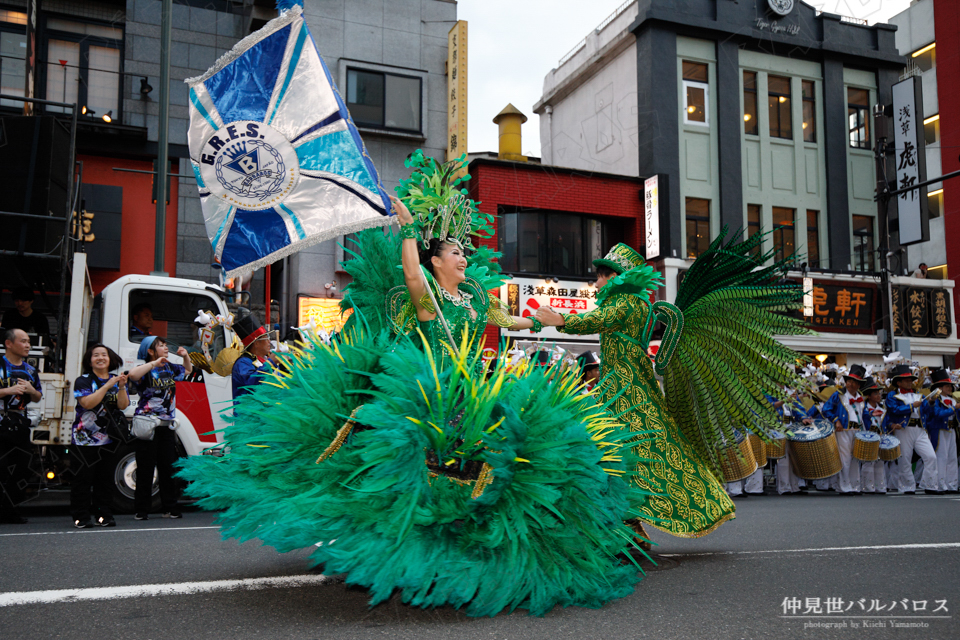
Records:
x=436, y=307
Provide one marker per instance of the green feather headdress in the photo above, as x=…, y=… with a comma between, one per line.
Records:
x=440, y=205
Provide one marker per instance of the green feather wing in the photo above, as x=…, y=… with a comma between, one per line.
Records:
x=727, y=360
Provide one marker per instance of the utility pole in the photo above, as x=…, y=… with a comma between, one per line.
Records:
x=883, y=200
x=162, y=127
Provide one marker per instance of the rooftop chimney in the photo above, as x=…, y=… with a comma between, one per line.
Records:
x=509, y=121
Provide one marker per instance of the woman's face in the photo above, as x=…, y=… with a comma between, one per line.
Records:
x=99, y=359
x=160, y=349
x=450, y=263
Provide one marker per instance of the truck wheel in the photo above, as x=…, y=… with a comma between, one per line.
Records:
x=125, y=481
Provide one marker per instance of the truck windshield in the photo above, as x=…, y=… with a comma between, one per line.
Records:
x=170, y=314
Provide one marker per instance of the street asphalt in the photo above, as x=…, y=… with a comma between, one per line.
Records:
x=901, y=553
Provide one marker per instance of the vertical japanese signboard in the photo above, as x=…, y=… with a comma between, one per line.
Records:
x=457, y=91
x=909, y=161
x=651, y=216
x=921, y=313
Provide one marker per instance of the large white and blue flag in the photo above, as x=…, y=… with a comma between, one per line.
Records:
x=278, y=160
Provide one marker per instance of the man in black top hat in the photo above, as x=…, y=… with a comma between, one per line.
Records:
x=255, y=361
x=904, y=407
x=845, y=410
x=940, y=420
x=589, y=365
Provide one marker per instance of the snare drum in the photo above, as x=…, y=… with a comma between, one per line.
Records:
x=815, y=451
x=759, y=451
x=866, y=446
x=889, y=448
x=777, y=447
x=736, y=460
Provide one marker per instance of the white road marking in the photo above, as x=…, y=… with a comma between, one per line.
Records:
x=102, y=530
x=889, y=547
x=170, y=589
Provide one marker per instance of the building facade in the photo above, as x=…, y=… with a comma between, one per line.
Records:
x=755, y=115
x=387, y=57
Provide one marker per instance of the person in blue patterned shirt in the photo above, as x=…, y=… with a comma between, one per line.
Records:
x=19, y=386
x=156, y=383
x=97, y=430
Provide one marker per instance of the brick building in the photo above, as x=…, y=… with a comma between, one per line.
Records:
x=552, y=222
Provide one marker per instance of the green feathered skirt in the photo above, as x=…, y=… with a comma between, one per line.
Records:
x=443, y=486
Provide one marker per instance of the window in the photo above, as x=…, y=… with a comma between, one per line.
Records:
x=173, y=315
x=784, y=232
x=937, y=273
x=809, y=111
x=753, y=223
x=82, y=63
x=559, y=244
x=698, y=226
x=751, y=126
x=778, y=101
x=813, y=239
x=863, y=243
x=696, y=87
x=13, y=49
x=926, y=57
x=935, y=203
x=931, y=130
x=384, y=100
x=858, y=112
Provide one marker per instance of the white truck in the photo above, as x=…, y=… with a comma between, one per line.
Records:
x=106, y=318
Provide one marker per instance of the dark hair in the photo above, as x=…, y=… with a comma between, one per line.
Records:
x=9, y=335
x=140, y=306
x=155, y=343
x=605, y=271
x=922, y=264
x=433, y=249
x=23, y=293
x=86, y=364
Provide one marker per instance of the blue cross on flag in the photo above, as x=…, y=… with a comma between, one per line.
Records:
x=278, y=160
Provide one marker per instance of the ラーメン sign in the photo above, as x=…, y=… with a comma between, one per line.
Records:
x=651, y=216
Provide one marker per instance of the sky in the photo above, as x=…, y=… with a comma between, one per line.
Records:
x=513, y=44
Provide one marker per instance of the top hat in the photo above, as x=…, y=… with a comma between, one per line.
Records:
x=901, y=371
x=869, y=385
x=857, y=372
x=620, y=258
x=939, y=377
x=587, y=360
x=541, y=358
x=248, y=328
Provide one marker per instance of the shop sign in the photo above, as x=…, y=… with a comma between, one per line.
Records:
x=325, y=313
x=524, y=296
x=651, y=216
x=921, y=313
x=909, y=161
x=842, y=307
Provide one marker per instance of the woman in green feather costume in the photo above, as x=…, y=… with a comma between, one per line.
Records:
x=408, y=466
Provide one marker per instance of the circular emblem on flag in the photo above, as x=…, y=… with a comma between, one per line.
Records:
x=250, y=165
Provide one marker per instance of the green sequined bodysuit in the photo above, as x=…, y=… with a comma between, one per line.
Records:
x=691, y=502
x=481, y=308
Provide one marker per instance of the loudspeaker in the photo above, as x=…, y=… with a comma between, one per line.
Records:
x=34, y=164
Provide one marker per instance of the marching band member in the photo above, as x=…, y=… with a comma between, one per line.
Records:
x=589, y=365
x=903, y=410
x=873, y=477
x=787, y=480
x=845, y=411
x=940, y=420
